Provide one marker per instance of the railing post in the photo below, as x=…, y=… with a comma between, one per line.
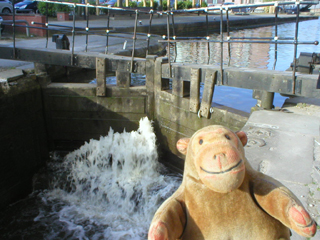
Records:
x=101, y=77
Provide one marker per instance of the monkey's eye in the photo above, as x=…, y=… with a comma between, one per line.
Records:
x=227, y=136
x=200, y=141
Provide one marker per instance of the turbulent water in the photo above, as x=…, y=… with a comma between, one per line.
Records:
x=108, y=189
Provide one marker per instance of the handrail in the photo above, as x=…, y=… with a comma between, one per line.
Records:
x=7, y=22
x=173, y=39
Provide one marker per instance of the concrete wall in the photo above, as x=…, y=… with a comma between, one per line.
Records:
x=23, y=142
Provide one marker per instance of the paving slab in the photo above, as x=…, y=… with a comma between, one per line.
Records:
x=286, y=146
x=11, y=75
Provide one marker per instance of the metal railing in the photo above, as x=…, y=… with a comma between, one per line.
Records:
x=222, y=9
x=225, y=9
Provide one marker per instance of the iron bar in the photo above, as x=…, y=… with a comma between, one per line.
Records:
x=174, y=36
x=231, y=41
x=107, y=33
x=168, y=41
x=187, y=38
x=86, y=32
x=208, y=37
x=10, y=22
x=266, y=38
x=237, y=6
x=228, y=37
x=203, y=9
x=149, y=32
x=276, y=37
x=87, y=28
x=73, y=34
x=58, y=25
x=221, y=45
x=95, y=6
x=14, y=30
x=295, y=49
x=47, y=21
x=111, y=33
x=134, y=39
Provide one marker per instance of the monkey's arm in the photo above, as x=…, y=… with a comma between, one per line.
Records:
x=282, y=204
x=169, y=221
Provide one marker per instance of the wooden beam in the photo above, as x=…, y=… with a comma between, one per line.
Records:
x=101, y=76
x=208, y=93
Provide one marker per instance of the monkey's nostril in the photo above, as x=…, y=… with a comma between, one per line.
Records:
x=219, y=155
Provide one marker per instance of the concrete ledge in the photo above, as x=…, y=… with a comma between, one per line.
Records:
x=11, y=75
x=284, y=146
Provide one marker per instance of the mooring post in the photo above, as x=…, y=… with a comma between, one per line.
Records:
x=210, y=79
x=101, y=76
x=267, y=100
x=194, y=90
x=264, y=98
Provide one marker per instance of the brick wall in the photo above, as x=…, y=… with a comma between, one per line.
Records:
x=30, y=18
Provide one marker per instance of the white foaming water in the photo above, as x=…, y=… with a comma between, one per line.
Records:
x=110, y=188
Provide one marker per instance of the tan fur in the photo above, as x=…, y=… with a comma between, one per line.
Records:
x=221, y=197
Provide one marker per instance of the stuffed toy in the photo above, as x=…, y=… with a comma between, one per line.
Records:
x=222, y=197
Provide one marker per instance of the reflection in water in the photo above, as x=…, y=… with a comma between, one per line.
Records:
x=248, y=55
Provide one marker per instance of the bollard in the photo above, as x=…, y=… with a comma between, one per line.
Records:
x=264, y=98
x=61, y=40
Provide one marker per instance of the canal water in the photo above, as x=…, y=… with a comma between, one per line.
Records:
x=111, y=187
x=249, y=55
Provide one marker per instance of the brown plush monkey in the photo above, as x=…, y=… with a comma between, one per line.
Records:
x=222, y=197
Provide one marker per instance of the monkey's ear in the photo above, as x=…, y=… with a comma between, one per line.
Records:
x=243, y=137
x=182, y=145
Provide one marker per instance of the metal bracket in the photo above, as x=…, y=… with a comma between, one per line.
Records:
x=133, y=68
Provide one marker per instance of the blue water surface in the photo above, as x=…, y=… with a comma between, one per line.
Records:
x=250, y=55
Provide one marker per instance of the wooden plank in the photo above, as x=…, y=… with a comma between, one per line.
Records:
x=208, y=93
x=195, y=90
x=101, y=76
x=63, y=58
x=159, y=82
x=123, y=79
x=177, y=83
